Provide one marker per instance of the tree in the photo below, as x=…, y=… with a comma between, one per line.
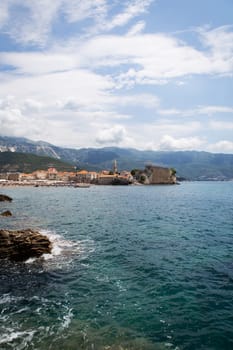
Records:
x=134, y=172
x=142, y=179
x=173, y=171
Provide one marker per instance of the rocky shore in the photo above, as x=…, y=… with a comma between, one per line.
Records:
x=6, y=213
x=5, y=198
x=23, y=244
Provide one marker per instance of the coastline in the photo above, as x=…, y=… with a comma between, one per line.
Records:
x=41, y=184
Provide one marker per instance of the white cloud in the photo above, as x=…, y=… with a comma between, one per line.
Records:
x=137, y=59
x=201, y=110
x=65, y=121
x=174, y=128
x=209, y=110
x=221, y=125
x=220, y=40
x=31, y=105
x=170, y=111
x=137, y=28
x=113, y=135
x=151, y=135
x=223, y=146
x=65, y=92
x=146, y=58
x=77, y=10
x=87, y=87
x=14, y=123
x=133, y=9
x=24, y=118
x=144, y=100
x=31, y=22
x=38, y=63
x=34, y=120
x=71, y=104
x=38, y=78
x=3, y=13
x=151, y=52
x=220, y=43
x=169, y=143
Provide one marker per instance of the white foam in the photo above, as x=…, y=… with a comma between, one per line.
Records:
x=13, y=335
x=30, y=260
x=63, y=251
x=59, y=245
x=67, y=319
x=7, y=299
x=121, y=286
x=22, y=310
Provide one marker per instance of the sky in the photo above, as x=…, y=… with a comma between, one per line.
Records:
x=147, y=74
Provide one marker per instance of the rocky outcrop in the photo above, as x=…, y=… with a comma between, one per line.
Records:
x=5, y=198
x=22, y=245
x=6, y=213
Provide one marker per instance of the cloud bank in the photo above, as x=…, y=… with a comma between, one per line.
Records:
x=94, y=74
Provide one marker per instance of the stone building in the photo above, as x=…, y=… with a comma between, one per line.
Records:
x=84, y=176
x=52, y=174
x=159, y=175
x=13, y=176
x=156, y=175
x=40, y=174
x=3, y=176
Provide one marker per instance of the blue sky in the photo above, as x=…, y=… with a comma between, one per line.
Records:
x=149, y=74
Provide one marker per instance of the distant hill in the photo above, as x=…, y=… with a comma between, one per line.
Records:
x=27, y=163
x=191, y=165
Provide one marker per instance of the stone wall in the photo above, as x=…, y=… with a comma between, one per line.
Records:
x=159, y=175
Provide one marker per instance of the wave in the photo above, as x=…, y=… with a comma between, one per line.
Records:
x=34, y=324
x=12, y=335
x=64, y=251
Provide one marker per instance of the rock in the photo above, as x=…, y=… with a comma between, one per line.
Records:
x=5, y=198
x=6, y=213
x=22, y=245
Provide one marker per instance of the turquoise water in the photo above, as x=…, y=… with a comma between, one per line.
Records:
x=146, y=267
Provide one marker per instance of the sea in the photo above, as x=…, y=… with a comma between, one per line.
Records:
x=132, y=268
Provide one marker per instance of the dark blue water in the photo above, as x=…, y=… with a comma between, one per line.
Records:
x=147, y=267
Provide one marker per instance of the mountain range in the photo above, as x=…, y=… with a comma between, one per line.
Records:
x=191, y=165
x=27, y=163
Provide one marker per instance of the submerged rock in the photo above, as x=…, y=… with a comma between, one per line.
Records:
x=5, y=198
x=6, y=213
x=22, y=245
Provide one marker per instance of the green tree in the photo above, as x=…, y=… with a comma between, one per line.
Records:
x=173, y=171
x=134, y=172
x=142, y=179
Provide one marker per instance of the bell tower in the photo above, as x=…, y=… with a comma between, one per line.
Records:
x=115, y=167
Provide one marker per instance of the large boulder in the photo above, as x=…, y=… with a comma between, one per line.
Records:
x=6, y=213
x=22, y=245
x=5, y=198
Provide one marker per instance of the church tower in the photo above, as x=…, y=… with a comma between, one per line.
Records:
x=115, y=167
